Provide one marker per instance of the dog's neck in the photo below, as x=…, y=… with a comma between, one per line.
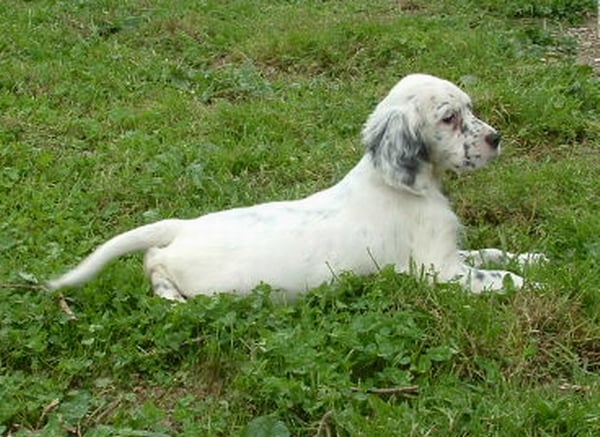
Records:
x=427, y=181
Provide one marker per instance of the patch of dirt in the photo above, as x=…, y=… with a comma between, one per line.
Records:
x=409, y=5
x=588, y=43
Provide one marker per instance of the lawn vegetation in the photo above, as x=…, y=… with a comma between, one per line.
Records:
x=118, y=113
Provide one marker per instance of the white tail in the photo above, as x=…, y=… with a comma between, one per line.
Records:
x=142, y=238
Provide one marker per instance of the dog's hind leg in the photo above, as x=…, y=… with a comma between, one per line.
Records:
x=162, y=283
x=163, y=286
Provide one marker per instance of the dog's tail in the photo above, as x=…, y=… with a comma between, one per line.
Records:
x=142, y=238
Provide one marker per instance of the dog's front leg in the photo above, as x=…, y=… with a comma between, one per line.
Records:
x=478, y=280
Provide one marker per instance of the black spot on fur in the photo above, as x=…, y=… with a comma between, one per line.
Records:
x=398, y=147
x=402, y=154
x=441, y=105
x=410, y=169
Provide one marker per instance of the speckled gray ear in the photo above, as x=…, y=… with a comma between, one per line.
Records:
x=396, y=147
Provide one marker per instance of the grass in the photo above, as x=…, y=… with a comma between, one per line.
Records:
x=114, y=114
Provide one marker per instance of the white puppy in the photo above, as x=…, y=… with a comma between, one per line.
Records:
x=389, y=209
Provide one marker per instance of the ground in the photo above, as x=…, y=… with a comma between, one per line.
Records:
x=588, y=43
x=118, y=113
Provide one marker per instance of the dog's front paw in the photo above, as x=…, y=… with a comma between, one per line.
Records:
x=493, y=280
x=529, y=258
x=535, y=286
x=516, y=280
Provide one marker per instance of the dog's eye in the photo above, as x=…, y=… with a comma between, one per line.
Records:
x=450, y=119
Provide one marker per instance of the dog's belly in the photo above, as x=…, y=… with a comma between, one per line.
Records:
x=236, y=262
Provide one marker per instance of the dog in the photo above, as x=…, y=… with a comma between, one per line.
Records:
x=389, y=209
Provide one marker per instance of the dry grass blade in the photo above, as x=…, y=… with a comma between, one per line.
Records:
x=324, y=427
x=406, y=391
x=64, y=306
x=19, y=286
x=46, y=410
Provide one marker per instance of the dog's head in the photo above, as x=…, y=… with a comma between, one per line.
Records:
x=424, y=126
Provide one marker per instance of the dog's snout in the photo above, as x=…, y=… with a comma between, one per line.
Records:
x=493, y=139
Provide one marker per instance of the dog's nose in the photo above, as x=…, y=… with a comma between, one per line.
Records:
x=493, y=139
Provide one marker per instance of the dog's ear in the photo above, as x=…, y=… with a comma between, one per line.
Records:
x=396, y=147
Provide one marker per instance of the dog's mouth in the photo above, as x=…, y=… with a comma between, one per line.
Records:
x=476, y=159
x=482, y=159
x=498, y=150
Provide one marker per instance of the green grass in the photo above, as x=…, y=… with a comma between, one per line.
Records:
x=114, y=114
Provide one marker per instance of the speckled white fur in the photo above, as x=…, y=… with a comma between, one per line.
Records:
x=389, y=209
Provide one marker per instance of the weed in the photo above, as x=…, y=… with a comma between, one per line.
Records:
x=114, y=114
